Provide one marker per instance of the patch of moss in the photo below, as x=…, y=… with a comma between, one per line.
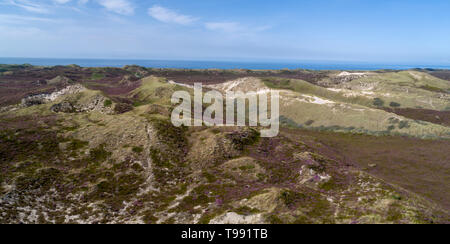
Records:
x=433, y=89
x=172, y=136
x=207, y=217
x=245, y=137
x=70, y=128
x=329, y=185
x=198, y=197
x=42, y=180
x=97, y=76
x=77, y=145
x=139, y=103
x=247, y=167
x=209, y=177
x=20, y=145
x=291, y=198
x=121, y=108
x=394, y=214
x=261, y=177
x=397, y=197
x=158, y=159
x=138, y=149
x=107, y=103
x=245, y=210
x=137, y=167
x=274, y=220
x=321, y=210
x=149, y=218
x=302, y=220
x=116, y=190
x=99, y=154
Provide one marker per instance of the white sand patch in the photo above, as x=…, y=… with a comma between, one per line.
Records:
x=336, y=90
x=314, y=99
x=248, y=84
x=345, y=73
x=229, y=85
x=415, y=75
x=74, y=89
x=353, y=93
x=368, y=92
x=247, y=94
x=234, y=218
x=180, y=84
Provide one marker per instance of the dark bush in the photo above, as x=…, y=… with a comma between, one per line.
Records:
x=403, y=124
x=394, y=104
x=121, y=108
x=138, y=149
x=378, y=102
x=309, y=122
x=290, y=198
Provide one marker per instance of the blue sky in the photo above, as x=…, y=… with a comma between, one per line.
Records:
x=403, y=31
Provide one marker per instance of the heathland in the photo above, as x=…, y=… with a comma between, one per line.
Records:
x=95, y=145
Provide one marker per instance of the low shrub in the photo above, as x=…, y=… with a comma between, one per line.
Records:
x=122, y=108
x=394, y=104
x=378, y=102
x=107, y=103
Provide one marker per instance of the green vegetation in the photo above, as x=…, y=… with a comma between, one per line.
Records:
x=154, y=90
x=138, y=149
x=378, y=102
x=244, y=210
x=247, y=167
x=107, y=103
x=309, y=122
x=134, y=166
x=329, y=185
x=209, y=177
x=304, y=87
x=98, y=154
x=291, y=198
x=41, y=180
x=121, y=108
x=97, y=76
x=394, y=104
x=433, y=89
x=77, y=145
x=403, y=124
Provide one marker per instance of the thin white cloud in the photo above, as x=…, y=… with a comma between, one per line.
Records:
x=19, y=19
x=123, y=7
x=29, y=6
x=224, y=26
x=61, y=1
x=234, y=27
x=169, y=16
x=14, y=34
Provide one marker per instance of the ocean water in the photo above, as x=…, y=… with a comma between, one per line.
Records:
x=183, y=64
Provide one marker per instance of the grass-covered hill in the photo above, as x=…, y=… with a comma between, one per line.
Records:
x=95, y=145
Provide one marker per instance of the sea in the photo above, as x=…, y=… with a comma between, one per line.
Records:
x=186, y=64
